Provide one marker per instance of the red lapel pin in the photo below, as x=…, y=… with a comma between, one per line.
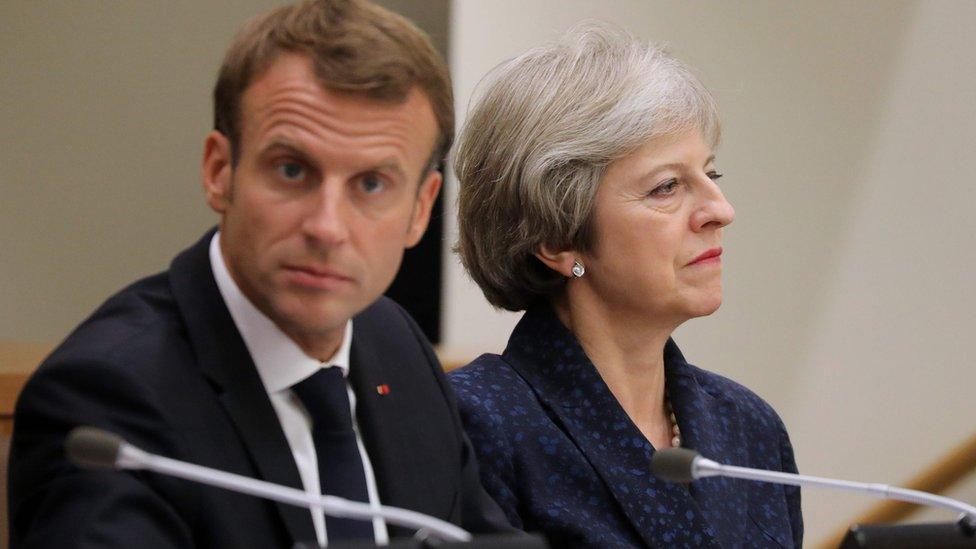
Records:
x=383, y=389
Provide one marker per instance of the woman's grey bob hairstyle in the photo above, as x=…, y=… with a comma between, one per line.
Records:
x=539, y=139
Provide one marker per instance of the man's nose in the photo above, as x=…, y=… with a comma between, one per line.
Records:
x=325, y=219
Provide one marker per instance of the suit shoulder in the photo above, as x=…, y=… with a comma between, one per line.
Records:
x=486, y=374
x=109, y=365
x=388, y=330
x=753, y=407
x=388, y=324
x=489, y=385
x=138, y=322
x=384, y=315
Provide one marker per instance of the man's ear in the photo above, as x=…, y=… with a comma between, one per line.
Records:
x=559, y=261
x=426, y=195
x=216, y=171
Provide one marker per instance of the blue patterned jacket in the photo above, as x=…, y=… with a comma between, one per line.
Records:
x=561, y=457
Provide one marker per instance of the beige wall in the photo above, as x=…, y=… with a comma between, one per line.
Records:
x=882, y=380
x=849, y=133
x=104, y=108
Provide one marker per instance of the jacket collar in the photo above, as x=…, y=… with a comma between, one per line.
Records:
x=225, y=362
x=377, y=360
x=550, y=359
x=407, y=430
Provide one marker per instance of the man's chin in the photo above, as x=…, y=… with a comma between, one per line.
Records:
x=321, y=322
x=313, y=322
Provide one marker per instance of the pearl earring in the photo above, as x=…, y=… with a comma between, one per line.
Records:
x=578, y=269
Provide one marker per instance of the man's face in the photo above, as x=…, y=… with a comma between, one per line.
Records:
x=323, y=198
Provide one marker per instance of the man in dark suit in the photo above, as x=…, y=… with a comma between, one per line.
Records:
x=266, y=349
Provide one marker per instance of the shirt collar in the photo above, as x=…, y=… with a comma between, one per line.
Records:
x=281, y=363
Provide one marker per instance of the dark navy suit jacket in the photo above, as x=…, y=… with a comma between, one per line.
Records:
x=561, y=456
x=163, y=365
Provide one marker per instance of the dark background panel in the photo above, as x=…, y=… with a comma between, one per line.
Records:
x=418, y=284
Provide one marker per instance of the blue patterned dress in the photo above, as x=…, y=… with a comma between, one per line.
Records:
x=561, y=457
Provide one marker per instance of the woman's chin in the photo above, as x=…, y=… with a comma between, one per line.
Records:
x=706, y=305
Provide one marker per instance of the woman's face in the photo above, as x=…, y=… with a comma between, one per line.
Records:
x=658, y=219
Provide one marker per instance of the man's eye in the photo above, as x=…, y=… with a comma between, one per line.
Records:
x=291, y=171
x=372, y=184
x=664, y=189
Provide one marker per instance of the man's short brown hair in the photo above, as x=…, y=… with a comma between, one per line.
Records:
x=354, y=46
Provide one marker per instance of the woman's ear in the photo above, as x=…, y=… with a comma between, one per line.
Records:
x=561, y=261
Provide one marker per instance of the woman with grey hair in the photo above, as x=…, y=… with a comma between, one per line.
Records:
x=589, y=199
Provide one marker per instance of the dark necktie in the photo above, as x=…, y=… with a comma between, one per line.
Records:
x=340, y=464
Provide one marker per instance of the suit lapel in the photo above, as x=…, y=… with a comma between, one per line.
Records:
x=224, y=360
x=707, y=426
x=552, y=362
x=403, y=419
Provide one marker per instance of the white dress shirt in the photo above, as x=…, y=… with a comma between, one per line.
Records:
x=281, y=363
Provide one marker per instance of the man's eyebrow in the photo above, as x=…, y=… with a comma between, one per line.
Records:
x=391, y=164
x=282, y=144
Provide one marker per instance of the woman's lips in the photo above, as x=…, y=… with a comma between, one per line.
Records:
x=713, y=255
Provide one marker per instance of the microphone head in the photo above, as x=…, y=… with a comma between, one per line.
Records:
x=93, y=448
x=674, y=464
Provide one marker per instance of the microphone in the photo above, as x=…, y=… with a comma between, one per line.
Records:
x=93, y=448
x=684, y=465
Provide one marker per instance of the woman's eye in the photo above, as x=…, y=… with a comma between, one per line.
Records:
x=291, y=171
x=372, y=184
x=665, y=189
x=713, y=175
